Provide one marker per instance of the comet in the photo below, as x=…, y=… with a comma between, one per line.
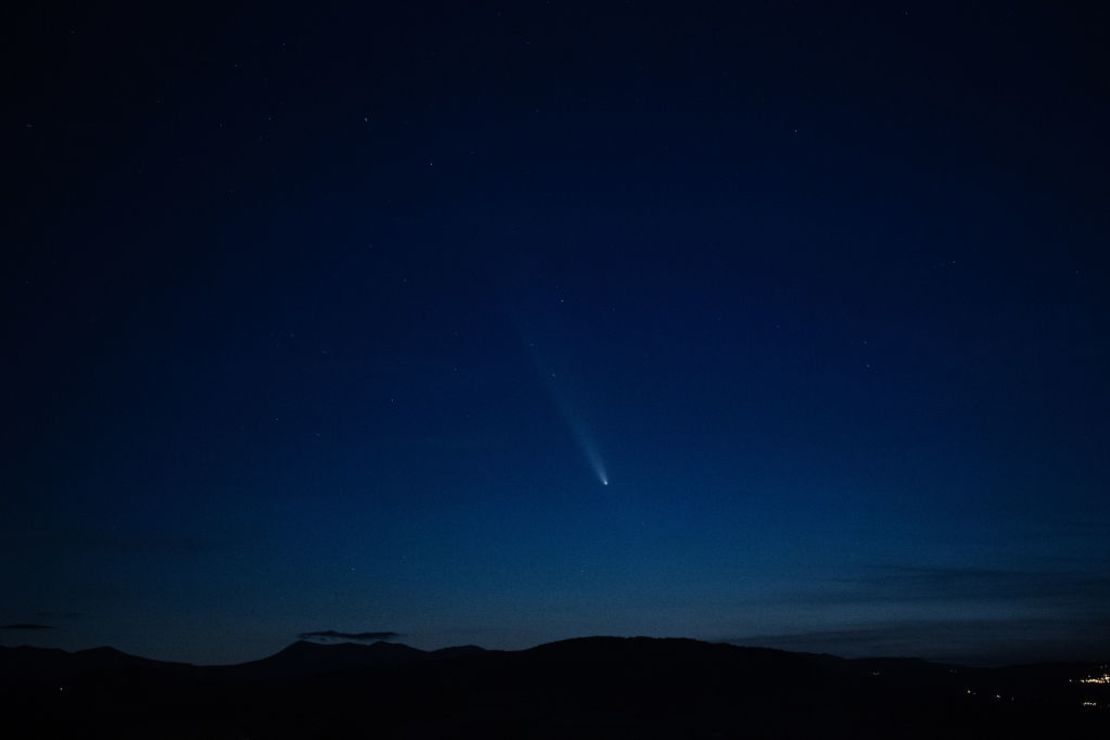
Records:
x=581, y=434
x=560, y=392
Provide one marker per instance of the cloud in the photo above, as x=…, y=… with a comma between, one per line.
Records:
x=1001, y=584
x=917, y=584
x=26, y=626
x=958, y=614
x=986, y=641
x=327, y=635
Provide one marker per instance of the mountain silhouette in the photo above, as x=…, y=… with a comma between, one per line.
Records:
x=30, y=665
x=580, y=688
x=304, y=658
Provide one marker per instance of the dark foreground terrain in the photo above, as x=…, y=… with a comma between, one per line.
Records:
x=585, y=688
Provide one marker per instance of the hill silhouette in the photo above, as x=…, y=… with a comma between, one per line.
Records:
x=587, y=687
x=304, y=658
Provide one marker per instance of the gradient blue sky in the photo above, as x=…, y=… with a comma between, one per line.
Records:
x=322, y=319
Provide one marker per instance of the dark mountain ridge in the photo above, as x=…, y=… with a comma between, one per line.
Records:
x=585, y=687
x=304, y=658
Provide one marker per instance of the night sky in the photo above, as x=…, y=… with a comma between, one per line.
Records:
x=500, y=323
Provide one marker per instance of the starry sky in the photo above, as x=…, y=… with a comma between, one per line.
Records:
x=774, y=322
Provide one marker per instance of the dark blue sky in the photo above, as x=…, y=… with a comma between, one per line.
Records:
x=336, y=319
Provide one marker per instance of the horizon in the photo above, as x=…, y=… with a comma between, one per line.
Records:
x=501, y=324
x=341, y=643
x=756, y=643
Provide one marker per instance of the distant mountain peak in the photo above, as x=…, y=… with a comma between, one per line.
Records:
x=306, y=657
